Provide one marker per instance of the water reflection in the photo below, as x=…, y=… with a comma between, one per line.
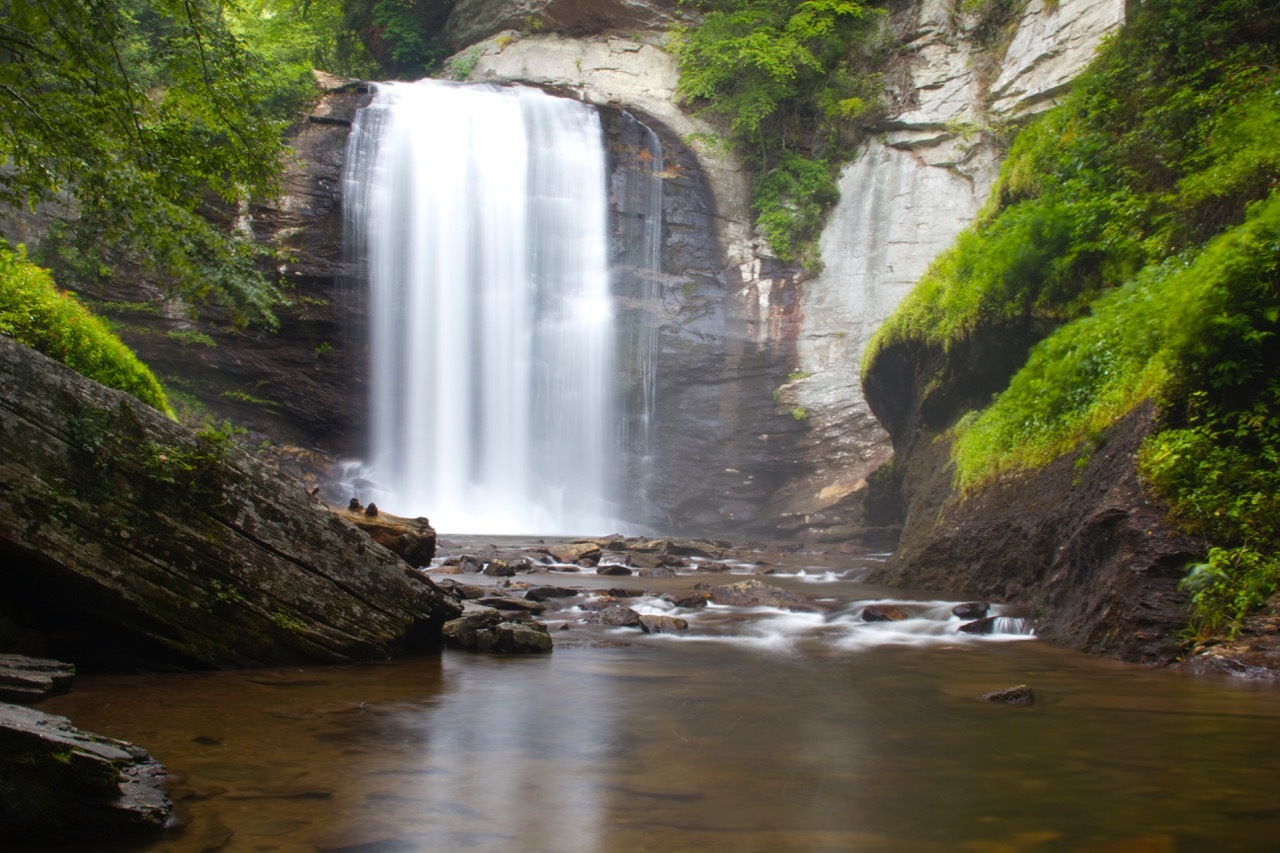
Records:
x=621, y=742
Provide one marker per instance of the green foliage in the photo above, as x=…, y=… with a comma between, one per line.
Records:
x=192, y=338
x=1138, y=228
x=34, y=312
x=786, y=78
x=137, y=109
x=405, y=37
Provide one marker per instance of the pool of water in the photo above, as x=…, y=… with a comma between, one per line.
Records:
x=754, y=730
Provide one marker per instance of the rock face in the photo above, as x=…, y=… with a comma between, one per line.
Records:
x=473, y=20
x=903, y=200
x=126, y=537
x=25, y=680
x=62, y=784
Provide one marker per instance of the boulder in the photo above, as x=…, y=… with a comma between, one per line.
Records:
x=615, y=616
x=64, y=785
x=490, y=631
x=25, y=680
x=130, y=539
x=413, y=539
x=883, y=613
x=756, y=593
x=581, y=553
x=501, y=602
x=661, y=624
x=613, y=569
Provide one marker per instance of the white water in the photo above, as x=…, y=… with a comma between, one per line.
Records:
x=479, y=214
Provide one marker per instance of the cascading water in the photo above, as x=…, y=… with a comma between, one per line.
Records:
x=479, y=215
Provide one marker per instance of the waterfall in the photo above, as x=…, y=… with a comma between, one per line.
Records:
x=479, y=217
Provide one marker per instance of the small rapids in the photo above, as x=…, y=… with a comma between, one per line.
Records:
x=825, y=606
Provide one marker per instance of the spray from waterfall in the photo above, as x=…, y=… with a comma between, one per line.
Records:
x=479, y=217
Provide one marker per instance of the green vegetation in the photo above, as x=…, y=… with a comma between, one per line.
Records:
x=34, y=312
x=789, y=80
x=192, y=338
x=1137, y=228
x=137, y=109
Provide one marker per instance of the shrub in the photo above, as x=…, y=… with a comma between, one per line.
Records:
x=34, y=312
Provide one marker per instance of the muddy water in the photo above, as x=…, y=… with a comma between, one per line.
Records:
x=755, y=730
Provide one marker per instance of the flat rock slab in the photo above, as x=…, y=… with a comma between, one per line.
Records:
x=24, y=679
x=756, y=593
x=63, y=784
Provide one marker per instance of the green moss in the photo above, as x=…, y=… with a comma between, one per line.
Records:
x=34, y=312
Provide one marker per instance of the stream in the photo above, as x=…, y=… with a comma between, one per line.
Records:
x=756, y=729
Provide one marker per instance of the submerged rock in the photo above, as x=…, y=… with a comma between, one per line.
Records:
x=62, y=784
x=986, y=625
x=1020, y=695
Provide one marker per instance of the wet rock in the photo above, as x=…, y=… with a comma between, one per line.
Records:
x=712, y=567
x=661, y=624
x=691, y=600
x=499, y=602
x=581, y=553
x=502, y=568
x=986, y=625
x=613, y=569
x=883, y=613
x=971, y=609
x=491, y=631
x=466, y=562
x=692, y=548
x=1020, y=695
x=616, y=616
x=464, y=591
x=25, y=680
x=543, y=593
x=598, y=603
x=756, y=593
x=619, y=592
x=657, y=572
x=63, y=784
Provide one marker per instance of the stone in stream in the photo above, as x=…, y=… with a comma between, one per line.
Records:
x=580, y=553
x=490, y=631
x=690, y=600
x=971, y=609
x=62, y=784
x=657, y=572
x=467, y=563
x=1020, y=695
x=501, y=602
x=542, y=593
x=466, y=591
x=883, y=613
x=612, y=569
x=662, y=624
x=756, y=593
x=615, y=616
x=25, y=680
x=981, y=626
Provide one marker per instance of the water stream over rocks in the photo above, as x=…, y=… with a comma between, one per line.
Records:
x=791, y=725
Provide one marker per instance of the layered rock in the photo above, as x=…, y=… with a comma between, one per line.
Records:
x=127, y=538
x=62, y=784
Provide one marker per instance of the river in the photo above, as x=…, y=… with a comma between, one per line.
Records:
x=754, y=730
